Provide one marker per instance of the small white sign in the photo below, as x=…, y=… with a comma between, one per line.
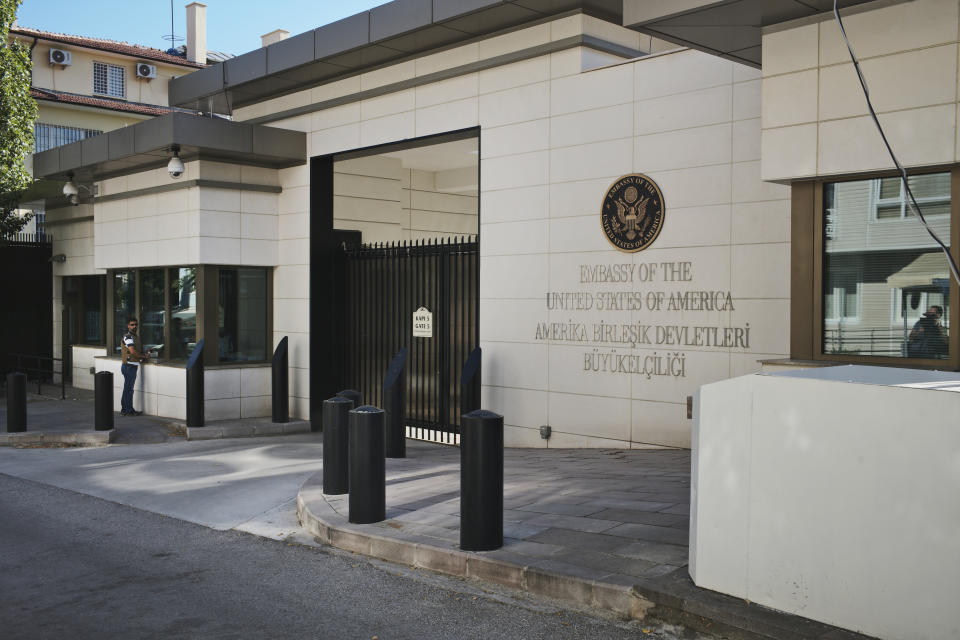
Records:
x=422, y=323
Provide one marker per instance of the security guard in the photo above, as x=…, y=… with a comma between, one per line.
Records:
x=131, y=351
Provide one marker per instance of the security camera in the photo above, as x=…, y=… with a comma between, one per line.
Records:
x=175, y=166
x=70, y=188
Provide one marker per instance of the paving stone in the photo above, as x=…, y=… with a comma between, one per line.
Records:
x=633, y=505
x=578, y=539
x=575, y=523
x=642, y=517
x=531, y=548
x=657, y=552
x=605, y=561
x=679, y=509
x=520, y=530
x=650, y=532
x=560, y=508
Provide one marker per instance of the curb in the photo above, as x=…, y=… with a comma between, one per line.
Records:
x=330, y=528
x=672, y=598
x=247, y=431
x=75, y=438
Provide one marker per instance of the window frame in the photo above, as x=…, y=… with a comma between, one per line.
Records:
x=807, y=239
x=207, y=284
x=901, y=200
x=107, y=66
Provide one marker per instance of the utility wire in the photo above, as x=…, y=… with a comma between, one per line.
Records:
x=903, y=173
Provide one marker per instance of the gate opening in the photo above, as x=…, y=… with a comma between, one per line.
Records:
x=410, y=273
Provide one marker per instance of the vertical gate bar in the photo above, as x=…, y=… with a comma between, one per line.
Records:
x=458, y=338
x=443, y=345
x=361, y=316
x=437, y=365
x=377, y=335
x=418, y=283
x=365, y=388
x=414, y=344
x=384, y=344
x=405, y=306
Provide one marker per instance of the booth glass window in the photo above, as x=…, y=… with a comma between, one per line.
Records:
x=242, y=314
x=176, y=306
x=152, y=316
x=124, y=304
x=886, y=283
x=183, y=312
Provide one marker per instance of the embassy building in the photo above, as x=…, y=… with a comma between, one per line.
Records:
x=621, y=202
x=634, y=207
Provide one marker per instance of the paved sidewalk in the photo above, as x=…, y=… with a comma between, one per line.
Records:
x=70, y=422
x=606, y=528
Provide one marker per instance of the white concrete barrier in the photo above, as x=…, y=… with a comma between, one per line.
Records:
x=834, y=494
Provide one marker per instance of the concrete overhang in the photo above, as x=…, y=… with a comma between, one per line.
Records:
x=146, y=145
x=383, y=35
x=728, y=28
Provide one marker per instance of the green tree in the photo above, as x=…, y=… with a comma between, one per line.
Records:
x=18, y=110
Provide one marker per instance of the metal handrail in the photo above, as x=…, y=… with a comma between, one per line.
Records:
x=40, y=370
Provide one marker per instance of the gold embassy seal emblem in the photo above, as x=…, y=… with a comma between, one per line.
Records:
x=632, y=213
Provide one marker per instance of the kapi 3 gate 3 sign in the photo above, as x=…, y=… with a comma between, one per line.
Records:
x=632, y=213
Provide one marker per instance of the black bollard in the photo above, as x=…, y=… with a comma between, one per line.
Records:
x=336, y=445
x=470, y=383
x=195, y=386
x=481, y=481
x=394, y=387
x=352, y=395
x=16, y=402
x=103, y=401
x=368, y=473
x=281, y=383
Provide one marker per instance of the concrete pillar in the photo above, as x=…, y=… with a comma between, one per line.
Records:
x=274, y=36
x=197, y=32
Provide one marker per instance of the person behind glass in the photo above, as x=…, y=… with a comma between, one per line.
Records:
x=928, y=338
x=131, y=351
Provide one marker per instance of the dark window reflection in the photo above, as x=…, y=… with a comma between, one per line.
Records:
x=886, y=284
x=151, y=312
x=242, y=315
x=124, y=304
x=183, y=312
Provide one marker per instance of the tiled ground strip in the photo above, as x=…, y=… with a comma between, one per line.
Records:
x=597, y=514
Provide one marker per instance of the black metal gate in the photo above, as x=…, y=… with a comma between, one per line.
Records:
x=386, y=284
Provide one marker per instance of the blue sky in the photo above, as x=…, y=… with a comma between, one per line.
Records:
x=233, y=26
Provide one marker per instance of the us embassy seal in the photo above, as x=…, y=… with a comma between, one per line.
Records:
x=632, y=213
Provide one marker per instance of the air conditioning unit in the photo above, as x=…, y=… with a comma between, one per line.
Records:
x=61, y=57
x=147, y=71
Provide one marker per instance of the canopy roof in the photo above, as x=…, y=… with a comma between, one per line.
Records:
x=147, y=144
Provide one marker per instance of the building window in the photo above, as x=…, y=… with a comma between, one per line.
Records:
x=152, y=313
x=48, y=136
x=183, y=311
x=109, y=80
x=83, y=310
x=932, y=192
x=242, y=315
x=885, y=283
x=169, y=303
x=124, y=304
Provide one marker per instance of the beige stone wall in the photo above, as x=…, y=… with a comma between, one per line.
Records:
x=388, y=203
x=197, y=225
x=430, y=211
x=815, y=120
x=553, y=138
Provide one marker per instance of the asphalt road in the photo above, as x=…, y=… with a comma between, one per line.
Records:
x=76, y=566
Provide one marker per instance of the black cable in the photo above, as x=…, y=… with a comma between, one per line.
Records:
x=900, y=169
